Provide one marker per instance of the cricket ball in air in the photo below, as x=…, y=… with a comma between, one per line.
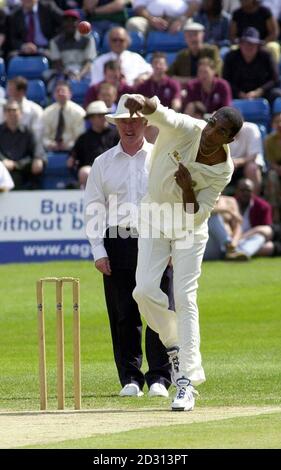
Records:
x=84, y=27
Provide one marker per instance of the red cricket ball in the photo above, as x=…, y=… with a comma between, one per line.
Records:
x=84, y=27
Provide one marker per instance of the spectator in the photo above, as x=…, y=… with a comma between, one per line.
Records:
x=18, y=149
x=212, y=91
x=62, y=121
x=92, y=143
x=132, y=64
x=72, y=54
x=31, y=26
x=251, y=70
x=252, y=14
x=161, y=15
x=254, y=210
x=112, y=75
x=108, y=93
x=105, y=14
x=226, y=239
x=224, y=231
x=6, y=182
x=31, y=113
x=255, y=213
x=216, y=22
x=273, y=157
x=247, y=154
x=185, y=65
x=160, y=84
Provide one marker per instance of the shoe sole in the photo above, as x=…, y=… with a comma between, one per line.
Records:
x=183, y=409
x=140, y=394
x=151, y=395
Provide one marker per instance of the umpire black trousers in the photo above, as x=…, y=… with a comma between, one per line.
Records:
x=124, y=316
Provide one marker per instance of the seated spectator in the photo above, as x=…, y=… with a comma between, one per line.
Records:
x=161, y=15
x=160, y=84
x=216, y=22
x=247, y=154
x=227, y=241
x=31, y=26
x=18, y=149
x=255, y=212
x=71, y=53
x=224, y=231
x=212, y=91
x=31, y=113
x=62, y=121
x=132, y=64
x=185, y=65
x=108, y=93
x=105, y=14
x=272, y=146
x=92, y=143
x=251, y=70
x=6, y=182
x=252, y=14
x=113, y=76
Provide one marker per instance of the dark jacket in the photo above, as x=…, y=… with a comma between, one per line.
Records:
x=50, y=17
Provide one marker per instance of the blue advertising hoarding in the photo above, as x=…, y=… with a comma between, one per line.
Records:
x=38, y=226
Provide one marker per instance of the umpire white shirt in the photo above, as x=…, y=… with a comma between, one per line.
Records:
x=115, y=173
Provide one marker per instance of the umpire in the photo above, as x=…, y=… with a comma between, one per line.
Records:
x=120, y=174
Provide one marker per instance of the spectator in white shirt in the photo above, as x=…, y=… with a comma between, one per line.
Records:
x=31, y=112
x=161, y=15
x=133, y=65
x=62, y=121
x=247, y=154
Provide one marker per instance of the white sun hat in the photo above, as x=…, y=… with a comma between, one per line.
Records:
x=121, y=111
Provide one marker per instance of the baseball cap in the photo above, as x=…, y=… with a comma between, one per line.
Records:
x=72, y=14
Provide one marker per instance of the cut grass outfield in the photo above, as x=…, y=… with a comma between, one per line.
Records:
x=240, y=337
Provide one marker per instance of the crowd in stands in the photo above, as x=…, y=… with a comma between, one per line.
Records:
x=195, y=55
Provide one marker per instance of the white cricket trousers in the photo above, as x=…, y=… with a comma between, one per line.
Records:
x=175, y=329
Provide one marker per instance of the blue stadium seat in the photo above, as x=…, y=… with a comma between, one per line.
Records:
x=56, y=174
x=137, y=42
x=79, y=89
x=36, y=91
x=255, y=110
x=170, y=57
x=2, y=72
x=276, y=107
x=27, y=66
x=163, y=41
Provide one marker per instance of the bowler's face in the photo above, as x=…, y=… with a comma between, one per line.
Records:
x=217, y=132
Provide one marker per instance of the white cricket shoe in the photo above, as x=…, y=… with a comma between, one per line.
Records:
x=185, y=397
x=158, y=390
x=131, y=390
